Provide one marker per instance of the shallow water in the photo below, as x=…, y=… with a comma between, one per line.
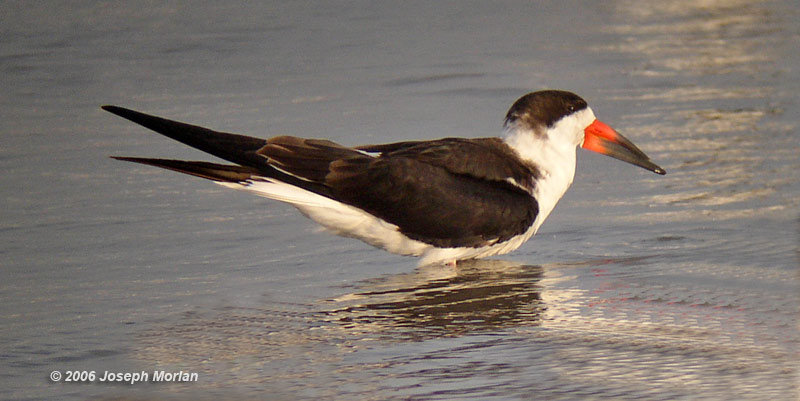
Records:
x=637, y=287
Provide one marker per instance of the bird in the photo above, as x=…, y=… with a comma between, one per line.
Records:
x=443, y=200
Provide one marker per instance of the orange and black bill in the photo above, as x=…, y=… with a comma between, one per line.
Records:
x=601, y=138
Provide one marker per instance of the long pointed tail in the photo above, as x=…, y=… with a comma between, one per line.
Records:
x=239, y=149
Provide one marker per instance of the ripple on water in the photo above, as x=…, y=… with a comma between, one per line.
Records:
x=595, y=327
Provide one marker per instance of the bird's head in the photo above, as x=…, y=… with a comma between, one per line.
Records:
x=563, y=120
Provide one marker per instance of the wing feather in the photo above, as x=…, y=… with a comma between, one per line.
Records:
x=483, y=158
x=430, y=204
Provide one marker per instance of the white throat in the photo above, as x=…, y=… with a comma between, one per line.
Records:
x=552, y=150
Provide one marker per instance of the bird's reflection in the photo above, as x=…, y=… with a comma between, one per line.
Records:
x=431, y=302
x=476, y=296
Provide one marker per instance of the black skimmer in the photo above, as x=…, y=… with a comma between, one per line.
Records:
x=444, y=200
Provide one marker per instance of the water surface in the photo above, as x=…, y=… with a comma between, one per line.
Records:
x=637, y=287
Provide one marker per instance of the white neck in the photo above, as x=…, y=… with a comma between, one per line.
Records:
x=552, y=151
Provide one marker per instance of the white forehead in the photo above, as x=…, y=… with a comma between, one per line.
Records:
x=572, y=126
